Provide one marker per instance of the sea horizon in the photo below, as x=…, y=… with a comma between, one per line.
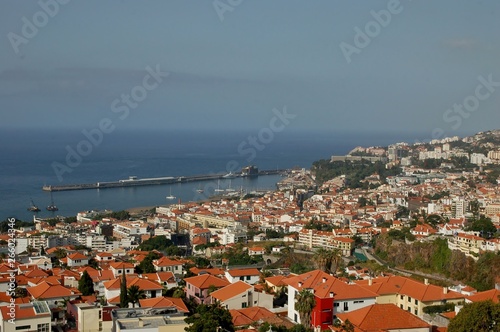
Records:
x=30, y=156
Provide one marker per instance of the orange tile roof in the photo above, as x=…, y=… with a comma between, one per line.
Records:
x=492, y=294
x=240, y=319
x=45, y=290
x=164, y=302
x=276, y=280
x=165, y=261
x=410, y=287
x=247, y=316
x=36, y=273
x=381, y=317
x=145, y=284
x=325, y=285
x=243, y=272
x=104, y=254
x=230, y=291
x=22, y=312
x=257, y=249
x=212, y=271
x=449, y=315
x=206, y=280
x=121, y=265
x=76, y=256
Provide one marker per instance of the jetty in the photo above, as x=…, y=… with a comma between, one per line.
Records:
x=133, y=181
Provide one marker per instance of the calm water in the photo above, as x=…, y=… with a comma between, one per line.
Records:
x=27, y=158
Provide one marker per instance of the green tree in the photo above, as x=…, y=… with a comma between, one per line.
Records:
x=94, y=263
x=158, y=242
x=134, y=294
x=327, y=260
x=146, y=266
x=123, y=291
x=477, y=317
x=210, y=318
x=483, y=225
x=85, y=284
x=60, y=253
x=304, y=304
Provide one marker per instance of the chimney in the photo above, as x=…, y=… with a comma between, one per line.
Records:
x=324, y=279
x=370, y=282
x=141, y=322
x=445, y=290
x=426, y=281
x=331, y=294
x=300, y=283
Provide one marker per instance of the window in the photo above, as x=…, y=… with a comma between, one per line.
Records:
x=243, y=304
x=360, y=301
x=402, y=297
x=401, y=306
x=346, y=306
x=248, y=277
x=336, y=304
x=416, y=312
x=23, y=327
x=409, y=299
x=295, y=318
x=416, y=301
x=409, y=309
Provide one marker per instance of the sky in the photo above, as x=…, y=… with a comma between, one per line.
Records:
x=358, y=66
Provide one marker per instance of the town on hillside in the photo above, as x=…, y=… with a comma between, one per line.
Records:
x=404, y=237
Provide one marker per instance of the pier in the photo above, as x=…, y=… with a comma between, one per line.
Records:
x=134, y=181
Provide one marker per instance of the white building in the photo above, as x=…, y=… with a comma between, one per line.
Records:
x=33, y=316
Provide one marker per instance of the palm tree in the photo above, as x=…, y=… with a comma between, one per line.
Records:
x=335, y=260
x=134, y=294
x=321, y=259
x=327, y=260
x=304, y=304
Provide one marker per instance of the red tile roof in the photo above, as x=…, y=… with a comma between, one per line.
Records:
x=381, y=317
x=231, y=290
x=76, y=256
x=164, y=302
x=410, y=287
x=22, y=312
x=492, y=294
x=243, y=272
x=46, y=291
x=165, y=261
x=205, y=281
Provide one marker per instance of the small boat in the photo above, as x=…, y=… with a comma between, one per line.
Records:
x=52, y=206
x=229, y=175
x=218, y=187
x=170, y=196
x=229, y=189
x=33, y=207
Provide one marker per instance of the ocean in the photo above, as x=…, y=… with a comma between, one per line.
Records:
x=33, y=158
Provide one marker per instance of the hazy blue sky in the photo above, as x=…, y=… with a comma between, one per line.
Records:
x=264, y=54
